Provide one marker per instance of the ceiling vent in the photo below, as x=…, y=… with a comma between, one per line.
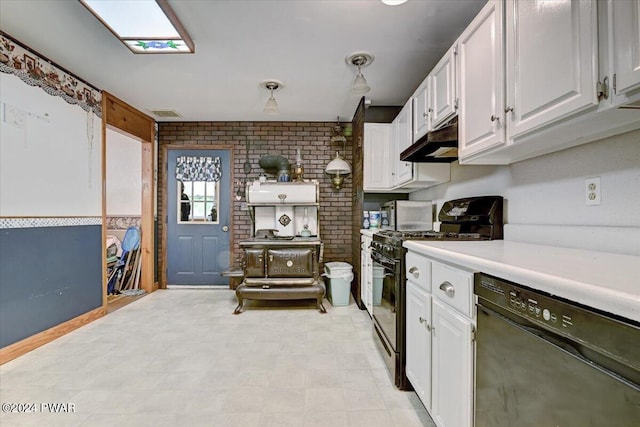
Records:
x=165, y=114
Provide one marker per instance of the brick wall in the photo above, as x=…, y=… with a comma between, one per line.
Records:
x=281, y=138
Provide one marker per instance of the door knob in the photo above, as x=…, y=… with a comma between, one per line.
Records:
x=415, y=272
x=225, y=228
x=494, y=118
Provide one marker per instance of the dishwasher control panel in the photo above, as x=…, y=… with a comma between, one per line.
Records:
x=585, y=325
x=530, y=306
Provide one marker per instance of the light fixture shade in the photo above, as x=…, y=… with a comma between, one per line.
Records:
x=360, y=84
x=271, y=107
x=393, y=2
x=338, y=166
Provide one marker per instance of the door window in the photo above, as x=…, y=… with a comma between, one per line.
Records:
x=198, y=202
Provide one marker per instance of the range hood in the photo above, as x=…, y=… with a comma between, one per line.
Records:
x=437, y=146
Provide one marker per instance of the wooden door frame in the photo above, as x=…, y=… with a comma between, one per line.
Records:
x=164, y=206
x=121, y=117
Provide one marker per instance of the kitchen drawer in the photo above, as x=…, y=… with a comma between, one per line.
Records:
x=453, y=287
x=418, y=270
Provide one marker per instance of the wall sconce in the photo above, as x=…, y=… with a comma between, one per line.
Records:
x=360, y=59
x=337, y=168
x=271, y=107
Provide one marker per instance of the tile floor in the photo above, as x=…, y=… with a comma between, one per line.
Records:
x=180, y=358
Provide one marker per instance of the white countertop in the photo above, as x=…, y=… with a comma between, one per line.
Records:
x=609, y=282
x=369, y=232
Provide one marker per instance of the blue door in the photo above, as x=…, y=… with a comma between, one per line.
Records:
x=198, y=216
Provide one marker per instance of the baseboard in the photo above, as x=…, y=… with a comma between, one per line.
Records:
x=26, y=345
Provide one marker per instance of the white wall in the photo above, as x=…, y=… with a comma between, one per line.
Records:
x=124, y=175
x=49, y=154
x=550, y=190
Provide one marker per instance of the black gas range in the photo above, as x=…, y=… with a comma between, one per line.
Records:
x=468, y=219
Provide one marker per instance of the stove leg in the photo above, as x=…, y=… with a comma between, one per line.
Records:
x=238, y=309
x=320, y=307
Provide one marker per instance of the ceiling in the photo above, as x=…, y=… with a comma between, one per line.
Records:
x=238, y=44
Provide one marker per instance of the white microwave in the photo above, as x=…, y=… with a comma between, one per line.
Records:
x=407, y=215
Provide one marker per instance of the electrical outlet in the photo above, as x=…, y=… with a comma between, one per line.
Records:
x=593, y=191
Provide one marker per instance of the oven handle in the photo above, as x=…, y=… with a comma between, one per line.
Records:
x=383, y=261
x=555, y=341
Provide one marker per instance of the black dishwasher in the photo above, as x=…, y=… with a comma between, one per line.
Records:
x=545, y=361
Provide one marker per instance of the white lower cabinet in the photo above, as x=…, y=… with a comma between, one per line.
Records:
x=452, y=368
x=366, y=279
x=418, y=365
x=440, y=325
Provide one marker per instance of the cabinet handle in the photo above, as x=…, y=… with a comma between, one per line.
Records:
x=424, y=114
x=495, y=118
x=430, y=110
x=448, y=289
x=422, y=320
x=508, y=110
x=415, y=272
x=429, y=328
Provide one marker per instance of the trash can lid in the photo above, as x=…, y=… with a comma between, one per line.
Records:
x=337, y=267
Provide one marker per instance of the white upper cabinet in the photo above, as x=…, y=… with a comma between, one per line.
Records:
x=551, y=62
x=377, y=167
x=442, y=82
x=480, y=51
x=404, y=170
x=421, y=124
x=624, y=24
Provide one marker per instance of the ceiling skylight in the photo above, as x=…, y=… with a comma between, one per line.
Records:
x=144, y=26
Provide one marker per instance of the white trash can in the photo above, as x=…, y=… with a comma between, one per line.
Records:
x=340, y=275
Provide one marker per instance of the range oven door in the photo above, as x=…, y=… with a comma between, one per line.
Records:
x=386, y=292
x=388, y=317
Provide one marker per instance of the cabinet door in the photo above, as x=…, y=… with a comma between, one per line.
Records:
x=443, y=89
x=480, y=50
x=291, y=262
x=551, y=62
x=404, y=170
x=365, y=273
x=254, y=262
x=452, y=397
x=377, y=167
x=421, y=111
x=625, y=26
x=418, y=365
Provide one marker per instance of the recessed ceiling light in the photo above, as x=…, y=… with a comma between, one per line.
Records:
x=144, y=26
x=393, y=2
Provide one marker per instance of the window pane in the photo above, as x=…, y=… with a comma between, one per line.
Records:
x=199, y=211
x=198, y=190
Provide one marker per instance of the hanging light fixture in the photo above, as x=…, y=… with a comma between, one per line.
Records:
x=271, y=107
x=338, y=168
x=360, y=60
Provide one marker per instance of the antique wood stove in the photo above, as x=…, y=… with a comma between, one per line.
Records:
x=281, y=259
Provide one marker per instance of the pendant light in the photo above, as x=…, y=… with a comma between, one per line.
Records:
x=360, y=60
x=271, y=107
x=338, y=168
